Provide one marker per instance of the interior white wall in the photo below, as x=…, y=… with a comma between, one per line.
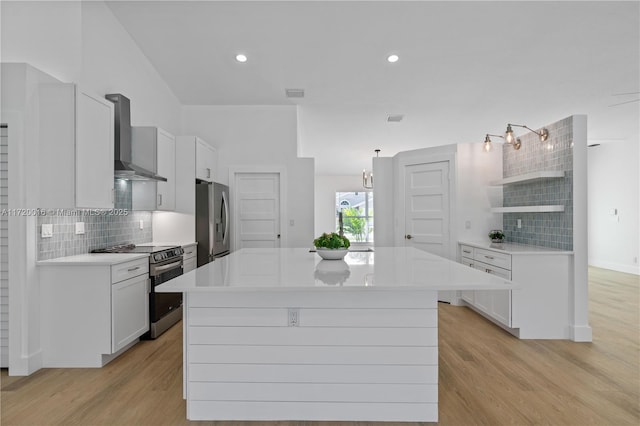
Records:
x=260, y=136
x=113, y=63
x=383, y=204
x=475, y=170
x=44, y=34
x=614, y=183
x=325, y=199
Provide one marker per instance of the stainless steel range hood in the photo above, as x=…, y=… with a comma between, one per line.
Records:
x=124, y=167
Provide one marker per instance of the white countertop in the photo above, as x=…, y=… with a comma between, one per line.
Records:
x=514, y=248
x=93, y=259
x=386, y=268
x=168, y=243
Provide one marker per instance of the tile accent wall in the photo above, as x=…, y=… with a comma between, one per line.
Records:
x=553, y=230
x=102, y=228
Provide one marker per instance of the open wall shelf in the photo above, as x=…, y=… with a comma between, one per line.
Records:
x=529, y=177
x=528, y=209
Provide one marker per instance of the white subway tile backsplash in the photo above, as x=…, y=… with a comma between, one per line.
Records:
x=102, y=229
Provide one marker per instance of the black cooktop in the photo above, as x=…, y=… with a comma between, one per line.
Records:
x=132, y=248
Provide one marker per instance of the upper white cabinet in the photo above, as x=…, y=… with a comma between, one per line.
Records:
x=167, y=168
x=75, y=152
x=186, y=174
x=155, y=149
x=206, y=160
x=94, y=151
x=195, y=159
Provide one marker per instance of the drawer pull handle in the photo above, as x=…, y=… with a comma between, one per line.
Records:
x=488, y=271
x=466, y=251
x=489, y=257
x=189, y=252
x=135, y=268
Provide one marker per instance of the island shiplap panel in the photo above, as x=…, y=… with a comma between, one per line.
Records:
x=349, y=355
x=327, y=411
x=313, y=317
x=321, y=373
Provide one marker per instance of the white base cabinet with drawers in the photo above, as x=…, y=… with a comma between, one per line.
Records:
x=190, y=257
x=92, y=313
x=540, y=308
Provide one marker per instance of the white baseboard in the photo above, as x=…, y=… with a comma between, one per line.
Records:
x=582, y=333
x=620, y=267
x=25, y=366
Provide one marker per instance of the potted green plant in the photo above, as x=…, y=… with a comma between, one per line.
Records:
x=497, y=236
x=331, y=246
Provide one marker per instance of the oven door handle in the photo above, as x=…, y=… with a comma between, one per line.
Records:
x=160, y=269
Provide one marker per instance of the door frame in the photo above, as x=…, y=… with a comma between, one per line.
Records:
x=281, y=171
x=400, y=199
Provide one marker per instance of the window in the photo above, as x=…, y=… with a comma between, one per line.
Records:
x=357, y=215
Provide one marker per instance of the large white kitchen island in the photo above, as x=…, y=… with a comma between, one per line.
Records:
x=279, y=334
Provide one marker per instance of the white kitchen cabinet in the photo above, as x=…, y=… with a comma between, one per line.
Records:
x=186, y=174
x=159, y=149
x=190, y=257
x=94, y=151
x=539, y=308
x=466, y=258
x=206, y=160
x=128, y=320
x=76, y=149
x=494, y=303
x=91, y=309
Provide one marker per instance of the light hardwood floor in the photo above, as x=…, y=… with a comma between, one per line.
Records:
x=487, y=377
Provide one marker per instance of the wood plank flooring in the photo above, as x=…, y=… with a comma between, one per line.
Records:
x=487, y=377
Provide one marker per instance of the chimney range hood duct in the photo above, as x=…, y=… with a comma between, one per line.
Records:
x=124, y=167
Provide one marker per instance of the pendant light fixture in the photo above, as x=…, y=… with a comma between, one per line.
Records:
x=367, y=180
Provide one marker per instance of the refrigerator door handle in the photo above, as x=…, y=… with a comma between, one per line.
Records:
x=226, y=217
x=212, y=224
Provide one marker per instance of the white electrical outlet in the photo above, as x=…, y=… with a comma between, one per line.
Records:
x=519, y=223
x=79, y=228
x=47, y=230
x=467, y=224
x=141, y=224
x=294, y=317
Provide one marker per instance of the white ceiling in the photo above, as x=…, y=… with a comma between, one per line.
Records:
x=465, y=68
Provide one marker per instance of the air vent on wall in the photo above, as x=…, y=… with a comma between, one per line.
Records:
x=395, y=118
x=294, y=93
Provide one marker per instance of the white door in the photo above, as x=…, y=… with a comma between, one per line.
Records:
x=257, y=209
x=427, y=207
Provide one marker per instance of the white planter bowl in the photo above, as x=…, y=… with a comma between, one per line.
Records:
x=332, y=254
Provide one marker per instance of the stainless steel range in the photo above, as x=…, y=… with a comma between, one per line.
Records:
x=165, y=263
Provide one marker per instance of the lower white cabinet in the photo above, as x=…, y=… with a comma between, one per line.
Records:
x=540, y=308
x=92, y=312
x=190, y=257
x=494, y=303
x=129, y=311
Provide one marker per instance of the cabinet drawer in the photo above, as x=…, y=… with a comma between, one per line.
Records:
x=467, y=261
x=189, y=251
x=493, y=270
x=124, y=271
x=466, y=251
x=189, y=265
x=493, y=258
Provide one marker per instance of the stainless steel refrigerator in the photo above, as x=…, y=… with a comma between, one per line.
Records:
x=212, y=221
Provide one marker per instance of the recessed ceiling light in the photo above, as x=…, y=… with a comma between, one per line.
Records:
x=395, y=118
x=241, y=58
x=294, y=93
x=393, y=58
